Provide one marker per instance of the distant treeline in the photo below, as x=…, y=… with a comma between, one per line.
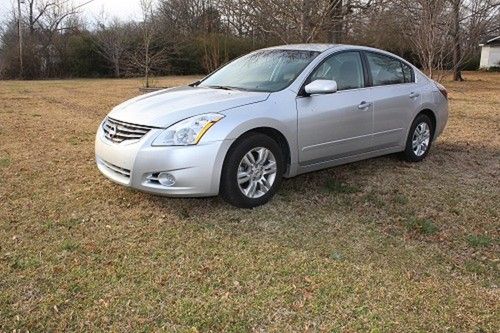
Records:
x=197, y=36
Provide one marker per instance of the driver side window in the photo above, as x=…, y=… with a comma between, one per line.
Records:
x=345, y=68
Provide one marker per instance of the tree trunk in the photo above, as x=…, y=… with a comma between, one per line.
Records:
x=146, y=69
x=457, y=47
x=457, y=71
x=31, y=18
x=20, y=32
x=147, y=62
x=115, y=60
x=117, y=68
x=337, y=16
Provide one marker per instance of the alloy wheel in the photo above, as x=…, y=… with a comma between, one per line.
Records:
x=421, y=139
x=257, y=172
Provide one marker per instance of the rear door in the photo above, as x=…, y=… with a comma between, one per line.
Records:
x=394, y=96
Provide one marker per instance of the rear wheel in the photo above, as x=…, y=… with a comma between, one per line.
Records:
x=252, y=171
x=419, y=139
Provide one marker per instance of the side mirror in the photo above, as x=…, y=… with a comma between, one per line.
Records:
x=322, y=87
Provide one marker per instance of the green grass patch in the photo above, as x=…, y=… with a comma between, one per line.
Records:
x=74, y=140
x=374, y=199
x=337, y=256
x=25, y=263
x=70, y=245
x=479, y=241
x=49, y=224
x=337, y=186
x=4, y=162
x=69, y=223
x=475, y=267
x=400, y=199
x=423, y=226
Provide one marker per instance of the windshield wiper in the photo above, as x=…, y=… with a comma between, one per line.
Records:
x=231, y=88
x=221, y=87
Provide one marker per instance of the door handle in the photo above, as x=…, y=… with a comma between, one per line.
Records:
x=364, y=105
x=414, y=95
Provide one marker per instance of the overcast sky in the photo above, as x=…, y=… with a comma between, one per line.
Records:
x=124, y=9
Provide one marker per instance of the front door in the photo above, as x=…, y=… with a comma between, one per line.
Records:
x=337, y=125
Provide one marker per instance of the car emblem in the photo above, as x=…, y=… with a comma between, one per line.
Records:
x=112, y=131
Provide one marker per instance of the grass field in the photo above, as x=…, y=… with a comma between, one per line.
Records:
x=381, y=245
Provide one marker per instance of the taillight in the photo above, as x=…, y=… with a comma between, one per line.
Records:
x=442, y=89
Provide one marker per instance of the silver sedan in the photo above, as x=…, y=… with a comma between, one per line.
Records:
x=274, y=113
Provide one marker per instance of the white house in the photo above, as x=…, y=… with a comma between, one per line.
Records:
x=490, y=53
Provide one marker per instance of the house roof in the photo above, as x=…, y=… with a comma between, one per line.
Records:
x=491, y=40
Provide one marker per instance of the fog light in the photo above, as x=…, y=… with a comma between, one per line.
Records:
x=166, y=179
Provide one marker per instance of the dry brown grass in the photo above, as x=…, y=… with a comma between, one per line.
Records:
x=379, y=245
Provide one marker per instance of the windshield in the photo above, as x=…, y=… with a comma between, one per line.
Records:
x=266, y=70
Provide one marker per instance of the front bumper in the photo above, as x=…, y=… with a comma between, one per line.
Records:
x=196, y=169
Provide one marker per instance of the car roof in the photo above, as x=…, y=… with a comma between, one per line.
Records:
x=305, y=47
x=318, y=47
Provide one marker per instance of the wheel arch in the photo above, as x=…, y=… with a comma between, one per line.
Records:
x=273, y=133
x=428, y=112
x=432, y=115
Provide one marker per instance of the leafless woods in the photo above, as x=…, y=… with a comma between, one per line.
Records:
x=193, y=36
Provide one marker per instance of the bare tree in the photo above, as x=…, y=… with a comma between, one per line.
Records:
x=196, y=35
x=46, y=20
x=51, y=14
x=112, y=39
x=293, y=20
x=337, y=17
x=425, y=25
x=471, y=20
x=448, y=31
x=149, y=54
x=236, y=18
x=288, y=20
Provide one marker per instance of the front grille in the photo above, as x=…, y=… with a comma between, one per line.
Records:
x=119, y=131
x=116, y=169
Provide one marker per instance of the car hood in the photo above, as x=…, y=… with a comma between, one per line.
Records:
x=166, y=107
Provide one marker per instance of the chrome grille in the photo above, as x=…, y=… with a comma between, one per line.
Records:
x=121, y=171
x=119, y=131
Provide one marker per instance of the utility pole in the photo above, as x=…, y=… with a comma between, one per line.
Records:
x=19, y=2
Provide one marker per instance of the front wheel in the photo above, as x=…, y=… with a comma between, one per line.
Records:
x=419, y=139
x=252, y=171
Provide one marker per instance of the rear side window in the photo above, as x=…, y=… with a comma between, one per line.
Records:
x=408, y=73
x=345, y=68
x=385, y=70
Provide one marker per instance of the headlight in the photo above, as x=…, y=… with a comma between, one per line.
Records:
x=187, y=132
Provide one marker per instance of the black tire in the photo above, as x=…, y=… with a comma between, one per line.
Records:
x=230, y=190
x=409, y=154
